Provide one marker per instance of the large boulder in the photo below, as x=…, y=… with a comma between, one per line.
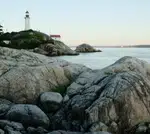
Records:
x=116, y=97
x=25, y=75
x=29, y=115
x=51, y=101
x=86, y=48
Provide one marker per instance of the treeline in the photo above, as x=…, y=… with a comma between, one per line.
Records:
x=24, y=39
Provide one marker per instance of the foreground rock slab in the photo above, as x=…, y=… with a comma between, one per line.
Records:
x=24, y=75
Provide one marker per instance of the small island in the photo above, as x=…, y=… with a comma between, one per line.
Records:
x=86, y=48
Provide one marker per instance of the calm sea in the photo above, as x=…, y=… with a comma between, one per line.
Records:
x=107, y=56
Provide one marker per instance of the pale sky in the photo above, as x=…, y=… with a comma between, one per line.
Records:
x=96, y=22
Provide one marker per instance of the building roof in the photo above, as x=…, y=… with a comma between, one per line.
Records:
x=55, y=36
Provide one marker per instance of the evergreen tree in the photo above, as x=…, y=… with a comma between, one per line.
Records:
x=1, y=29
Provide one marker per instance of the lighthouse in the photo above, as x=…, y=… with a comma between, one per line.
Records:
x=27, y=21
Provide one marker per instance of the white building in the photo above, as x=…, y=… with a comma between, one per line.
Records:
x=7, y=41
x=27, y=21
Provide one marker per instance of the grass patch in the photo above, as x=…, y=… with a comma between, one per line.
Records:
x=108, y=73
x=61, y=90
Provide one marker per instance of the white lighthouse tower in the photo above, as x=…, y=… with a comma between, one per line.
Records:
x=27, y=21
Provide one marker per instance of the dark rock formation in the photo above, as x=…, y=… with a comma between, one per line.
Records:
x=85, y=48
x=35, y=41
x=10, y=127
x=29, y=115
x=51, y=101
x=140, y=128
x=15, y=125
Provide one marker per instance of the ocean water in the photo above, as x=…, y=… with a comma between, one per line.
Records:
x=107, y=57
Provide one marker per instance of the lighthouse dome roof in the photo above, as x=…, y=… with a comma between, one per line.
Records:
x=27, y=12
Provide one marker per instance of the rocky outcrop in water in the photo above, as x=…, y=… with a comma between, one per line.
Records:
x=57, y=48
x=85, y=48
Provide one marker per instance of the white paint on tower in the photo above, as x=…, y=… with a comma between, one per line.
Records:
x=27, y=21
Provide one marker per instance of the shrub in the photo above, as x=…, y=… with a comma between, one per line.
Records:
x=25, y=43
x=25, y=39
x=60, y=89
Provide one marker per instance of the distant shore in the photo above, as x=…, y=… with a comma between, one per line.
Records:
x=125, y=46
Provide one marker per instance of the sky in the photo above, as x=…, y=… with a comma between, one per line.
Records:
x=96, y=22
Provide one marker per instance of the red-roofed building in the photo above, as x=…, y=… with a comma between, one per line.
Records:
x=56, y=37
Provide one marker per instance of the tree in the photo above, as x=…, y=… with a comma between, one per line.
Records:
x=1, y=30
